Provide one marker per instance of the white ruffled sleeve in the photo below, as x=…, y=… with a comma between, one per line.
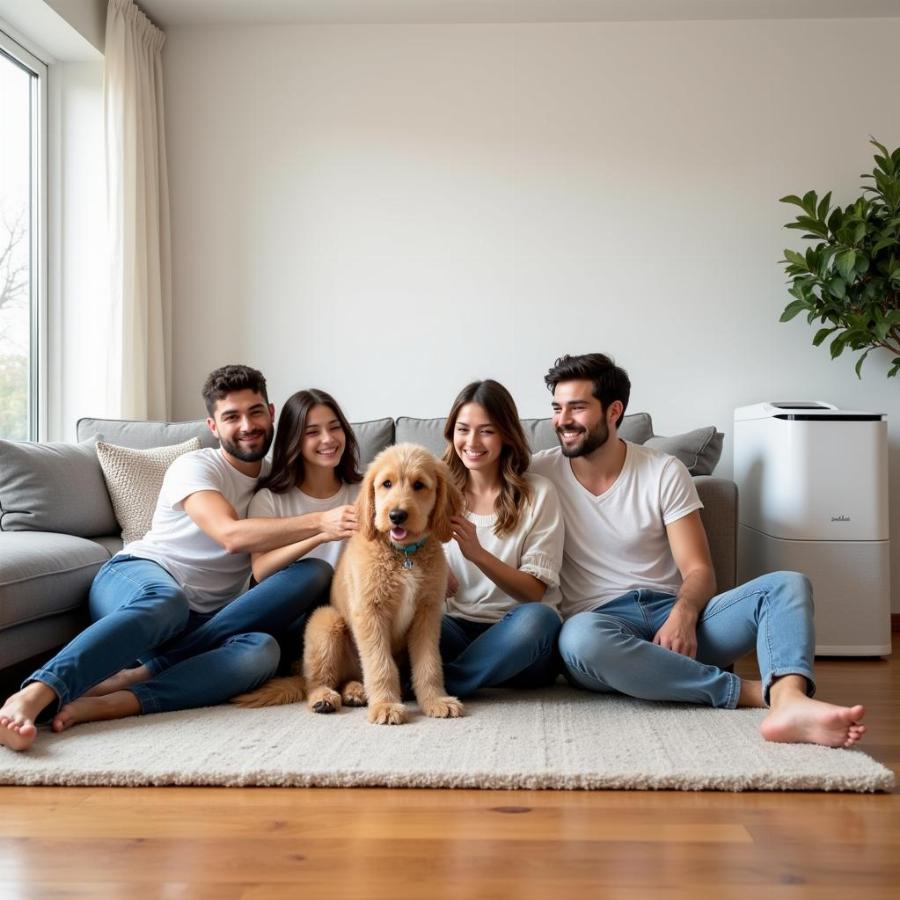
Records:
x=542, y=551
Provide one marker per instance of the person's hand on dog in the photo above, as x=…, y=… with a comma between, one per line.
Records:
x=466, y=535
x=339, y=523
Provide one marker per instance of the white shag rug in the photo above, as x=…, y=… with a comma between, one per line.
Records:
x=557, y=738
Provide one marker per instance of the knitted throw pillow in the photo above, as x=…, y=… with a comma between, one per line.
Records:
x=134, y=479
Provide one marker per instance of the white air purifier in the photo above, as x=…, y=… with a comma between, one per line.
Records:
x=813, y=498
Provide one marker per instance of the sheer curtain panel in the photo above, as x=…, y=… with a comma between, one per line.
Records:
x=139, y=379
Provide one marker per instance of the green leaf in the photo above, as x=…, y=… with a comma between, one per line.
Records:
x=821, y=334
x=837, y=287
x=837, y=346
x=796, y=258
x=791, y=198
x=824, y=206
x=809, y=202
x=845, y=261
x=894, y=368
x=792, y=309
x=859, y=363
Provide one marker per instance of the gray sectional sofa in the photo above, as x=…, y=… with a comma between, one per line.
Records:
x=57, y=525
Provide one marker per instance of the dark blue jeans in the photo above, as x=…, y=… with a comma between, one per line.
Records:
x=140, y=613
x=518, y=651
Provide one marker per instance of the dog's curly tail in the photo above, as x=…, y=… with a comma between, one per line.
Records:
x=275, y=692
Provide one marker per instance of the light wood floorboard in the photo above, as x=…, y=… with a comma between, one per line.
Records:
x=250, y=844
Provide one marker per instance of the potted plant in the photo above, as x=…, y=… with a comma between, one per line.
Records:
x=850, y=279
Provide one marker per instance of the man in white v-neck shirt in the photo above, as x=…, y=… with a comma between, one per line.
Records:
x=638, y=583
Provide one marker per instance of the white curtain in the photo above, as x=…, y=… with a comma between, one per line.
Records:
x=140, y=354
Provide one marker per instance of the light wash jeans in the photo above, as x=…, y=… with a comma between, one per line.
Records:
x=517, y=651
x=611, y=649
x=140, y=613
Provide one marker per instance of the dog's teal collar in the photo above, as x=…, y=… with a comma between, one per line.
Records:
x=408, y=551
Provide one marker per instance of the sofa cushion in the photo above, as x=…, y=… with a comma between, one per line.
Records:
x=53, y=487
x=42, y=574
x=427, y=432
x=637, y=428
x=699, y=449
x=145, y=435
x=539, y=432
x=134, y=479
x=372, y=437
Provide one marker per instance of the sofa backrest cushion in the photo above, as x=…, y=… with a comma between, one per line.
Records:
x=372, y=437
x=145, y=435
x=53, y=487
x=699, y=449
x=539, y=432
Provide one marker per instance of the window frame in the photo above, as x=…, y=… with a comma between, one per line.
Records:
x=37, y=233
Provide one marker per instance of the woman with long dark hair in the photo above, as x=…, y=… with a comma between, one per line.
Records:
x=315, y=462
x=501, y=624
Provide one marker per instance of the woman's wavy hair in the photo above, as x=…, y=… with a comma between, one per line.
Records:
x=515, y=491
x=288, y=468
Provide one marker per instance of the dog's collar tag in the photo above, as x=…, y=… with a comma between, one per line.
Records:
x=408, y=552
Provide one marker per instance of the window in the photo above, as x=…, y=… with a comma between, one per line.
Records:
x=22, y=244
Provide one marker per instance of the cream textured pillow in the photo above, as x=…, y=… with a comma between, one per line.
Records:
x=134, y=479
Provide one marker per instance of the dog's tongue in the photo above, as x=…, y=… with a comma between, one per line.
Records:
x=398, y=534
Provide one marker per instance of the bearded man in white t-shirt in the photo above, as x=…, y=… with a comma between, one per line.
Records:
x=174, y=601
x=639, y=594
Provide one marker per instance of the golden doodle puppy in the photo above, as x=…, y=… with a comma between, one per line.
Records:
x=388, y=594
x=387, y=598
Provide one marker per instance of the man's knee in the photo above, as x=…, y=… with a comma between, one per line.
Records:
x=586, y=636
x=166, y=603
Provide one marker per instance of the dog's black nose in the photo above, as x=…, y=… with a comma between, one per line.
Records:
x=398, y=516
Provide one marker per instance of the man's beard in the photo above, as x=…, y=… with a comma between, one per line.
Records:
x=591, y=441
x=249, y=455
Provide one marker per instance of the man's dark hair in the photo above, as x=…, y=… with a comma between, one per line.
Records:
x=227, y=379
x=610, y=381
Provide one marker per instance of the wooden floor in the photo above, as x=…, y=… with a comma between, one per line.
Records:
x=367, y=844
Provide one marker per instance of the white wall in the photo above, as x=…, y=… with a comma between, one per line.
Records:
x=390, y=211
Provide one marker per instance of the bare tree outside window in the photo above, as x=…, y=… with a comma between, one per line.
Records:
x=15, y=249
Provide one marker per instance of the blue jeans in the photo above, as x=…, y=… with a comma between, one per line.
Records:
x=517, y=651
x=611, y=649
x=140, y=613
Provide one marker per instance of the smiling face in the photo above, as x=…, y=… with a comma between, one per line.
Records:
x=581, y=423
x=476, y=439
x=243, y=423
x=323, y=440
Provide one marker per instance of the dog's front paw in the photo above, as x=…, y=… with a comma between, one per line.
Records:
x=387, y=713
x=324, y=700
x=353, y=694
x=443, y=708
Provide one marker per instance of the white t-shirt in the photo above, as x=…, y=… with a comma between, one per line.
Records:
x=295, y=503
x=210, y=576
x=535, y=547
x=616, y=542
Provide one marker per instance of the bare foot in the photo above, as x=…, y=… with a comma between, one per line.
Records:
x=802, y=720
x=96, y=709
x=17, y=729
x=751, y=694
x=119, y=682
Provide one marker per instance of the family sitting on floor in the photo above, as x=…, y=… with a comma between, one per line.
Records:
x=589, y=559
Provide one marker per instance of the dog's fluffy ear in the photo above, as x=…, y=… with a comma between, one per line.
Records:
x=448, y=502
x=365, y=505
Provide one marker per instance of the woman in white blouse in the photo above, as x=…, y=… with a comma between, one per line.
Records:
x=501, y=624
